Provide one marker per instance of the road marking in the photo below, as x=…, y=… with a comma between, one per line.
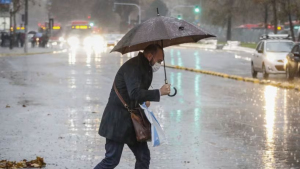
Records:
x=284, y=85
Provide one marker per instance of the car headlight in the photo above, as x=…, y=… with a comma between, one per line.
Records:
x=286, y=61
x=73, y=41
x=61, y=39
x=98, y=40
x=87, y=41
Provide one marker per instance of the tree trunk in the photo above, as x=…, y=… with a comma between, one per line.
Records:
x=266, y=17
x=275, y=16
x=290, y=20
x=228, y=37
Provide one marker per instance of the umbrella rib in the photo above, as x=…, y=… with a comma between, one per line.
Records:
x=164, y=27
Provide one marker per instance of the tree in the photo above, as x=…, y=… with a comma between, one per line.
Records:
x=287, y=11
x=274, y=5
x=222, y=12
x=297, y=13
x=265, y=5
x=17, y=6
x=124, y=11
x=100, y=16
x=68, y=10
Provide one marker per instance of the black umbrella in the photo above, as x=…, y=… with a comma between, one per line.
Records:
x=166, y=31
x=32, y=32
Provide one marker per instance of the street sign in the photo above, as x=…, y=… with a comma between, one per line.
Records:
x=5, y=1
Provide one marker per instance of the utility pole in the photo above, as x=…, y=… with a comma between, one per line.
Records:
x=132, y=4
x=11, y=26
x=26, y=27
x=51, y=20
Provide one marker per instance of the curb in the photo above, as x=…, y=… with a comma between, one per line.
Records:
x=34, y=53
x=224, y=48
x=284, y=85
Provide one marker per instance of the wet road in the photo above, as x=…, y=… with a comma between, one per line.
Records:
x=211, y=123
x=230, y=62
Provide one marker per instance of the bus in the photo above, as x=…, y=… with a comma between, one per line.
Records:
x=78, y=33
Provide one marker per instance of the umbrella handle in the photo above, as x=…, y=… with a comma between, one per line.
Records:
x=174, y=93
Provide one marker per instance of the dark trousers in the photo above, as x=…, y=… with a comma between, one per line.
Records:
x=114, y=151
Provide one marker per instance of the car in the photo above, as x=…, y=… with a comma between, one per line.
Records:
x=288, y=31
x=79, y=36
x=292, y=62
x=112, y=39
x=270, y=54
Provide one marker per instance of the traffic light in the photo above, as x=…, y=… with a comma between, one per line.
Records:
x=179, y=17
x=89, y=17
x=197, y=9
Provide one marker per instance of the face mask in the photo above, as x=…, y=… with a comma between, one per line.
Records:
x=156, y=67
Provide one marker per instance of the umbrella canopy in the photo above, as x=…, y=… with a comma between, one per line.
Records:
x=32, y=32
x=160, y=30
x=165, y=31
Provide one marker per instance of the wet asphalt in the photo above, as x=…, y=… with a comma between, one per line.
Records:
x=51, y=106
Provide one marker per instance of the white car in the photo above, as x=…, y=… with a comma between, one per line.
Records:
x=112, y=39
x=270, y=55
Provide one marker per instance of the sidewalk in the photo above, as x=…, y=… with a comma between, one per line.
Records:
x=238, y=48
x=5, y=51
x=198, y=45
x=226, y=47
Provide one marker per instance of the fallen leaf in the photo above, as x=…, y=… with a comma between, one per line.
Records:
x=94, y=112
x=24, y=105
x=7, y=106
x=35, y=165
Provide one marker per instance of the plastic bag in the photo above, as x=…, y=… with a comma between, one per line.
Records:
x=157, y=134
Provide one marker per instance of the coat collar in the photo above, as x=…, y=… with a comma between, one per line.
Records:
x=144, y=60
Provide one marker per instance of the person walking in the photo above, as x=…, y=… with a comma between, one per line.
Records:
x=132, y=82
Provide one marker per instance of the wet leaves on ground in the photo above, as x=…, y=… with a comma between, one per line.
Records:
x=37, y=163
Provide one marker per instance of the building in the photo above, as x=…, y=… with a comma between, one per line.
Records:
x=4, y=17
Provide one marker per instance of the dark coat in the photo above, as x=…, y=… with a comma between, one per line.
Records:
x=132, y=81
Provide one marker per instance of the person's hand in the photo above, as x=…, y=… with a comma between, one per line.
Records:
x=165, y=89
x=147, y=103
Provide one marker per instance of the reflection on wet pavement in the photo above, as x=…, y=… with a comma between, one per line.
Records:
x=211, y=123
x=270, y=105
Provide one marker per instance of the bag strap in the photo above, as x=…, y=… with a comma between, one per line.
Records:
x=121, y=98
